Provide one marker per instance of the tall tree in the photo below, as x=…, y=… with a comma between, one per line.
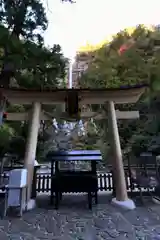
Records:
x=24, y=19
x=138, y=63
x=132, y=57
x=23, y=56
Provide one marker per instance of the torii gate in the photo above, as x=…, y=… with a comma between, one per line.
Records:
x=110, y=97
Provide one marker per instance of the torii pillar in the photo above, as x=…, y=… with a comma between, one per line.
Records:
x=30, y=152
x=121, y=198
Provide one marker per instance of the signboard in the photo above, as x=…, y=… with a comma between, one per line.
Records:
x=17, y=181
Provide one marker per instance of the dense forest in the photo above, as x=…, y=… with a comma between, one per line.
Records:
x=132, y=57
x=25, y=62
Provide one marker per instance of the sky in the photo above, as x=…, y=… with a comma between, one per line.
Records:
x=73, y=25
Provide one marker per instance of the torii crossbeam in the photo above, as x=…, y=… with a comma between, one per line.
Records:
x=86, y=96
x=84, y=115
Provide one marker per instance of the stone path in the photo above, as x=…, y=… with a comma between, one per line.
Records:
x=73, y=221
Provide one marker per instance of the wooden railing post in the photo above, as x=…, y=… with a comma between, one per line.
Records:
x=106, y=182
x=114, y=186
x=34, y=184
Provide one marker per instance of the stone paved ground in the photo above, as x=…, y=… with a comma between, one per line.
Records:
x=74, y=221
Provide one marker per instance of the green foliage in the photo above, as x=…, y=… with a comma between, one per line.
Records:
x=139, y=64
x=6, y=133
x=17, y=146
x=22, y=27
x=24, y=60
x=40, y=67
x=24, y=18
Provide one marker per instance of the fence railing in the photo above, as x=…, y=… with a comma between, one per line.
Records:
x=43, y=183
x=105, y=183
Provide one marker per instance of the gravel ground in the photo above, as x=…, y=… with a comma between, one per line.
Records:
x=74, y=221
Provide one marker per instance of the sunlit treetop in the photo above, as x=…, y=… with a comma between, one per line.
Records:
x=132, y=57
x=71, y=1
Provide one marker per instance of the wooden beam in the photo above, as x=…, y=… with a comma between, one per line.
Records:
x=86, y=96
x=120, y=115
x=24, y=116
x=98, y=116
x=84, y=115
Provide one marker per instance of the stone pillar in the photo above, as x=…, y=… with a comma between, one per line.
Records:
x=117, y=161
x=31, y=146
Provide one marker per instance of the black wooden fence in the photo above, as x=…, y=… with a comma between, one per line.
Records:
x=42, y=183
x=105, y=184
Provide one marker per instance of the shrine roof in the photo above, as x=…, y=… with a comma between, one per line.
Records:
x=123, y=94
x=49, y=89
